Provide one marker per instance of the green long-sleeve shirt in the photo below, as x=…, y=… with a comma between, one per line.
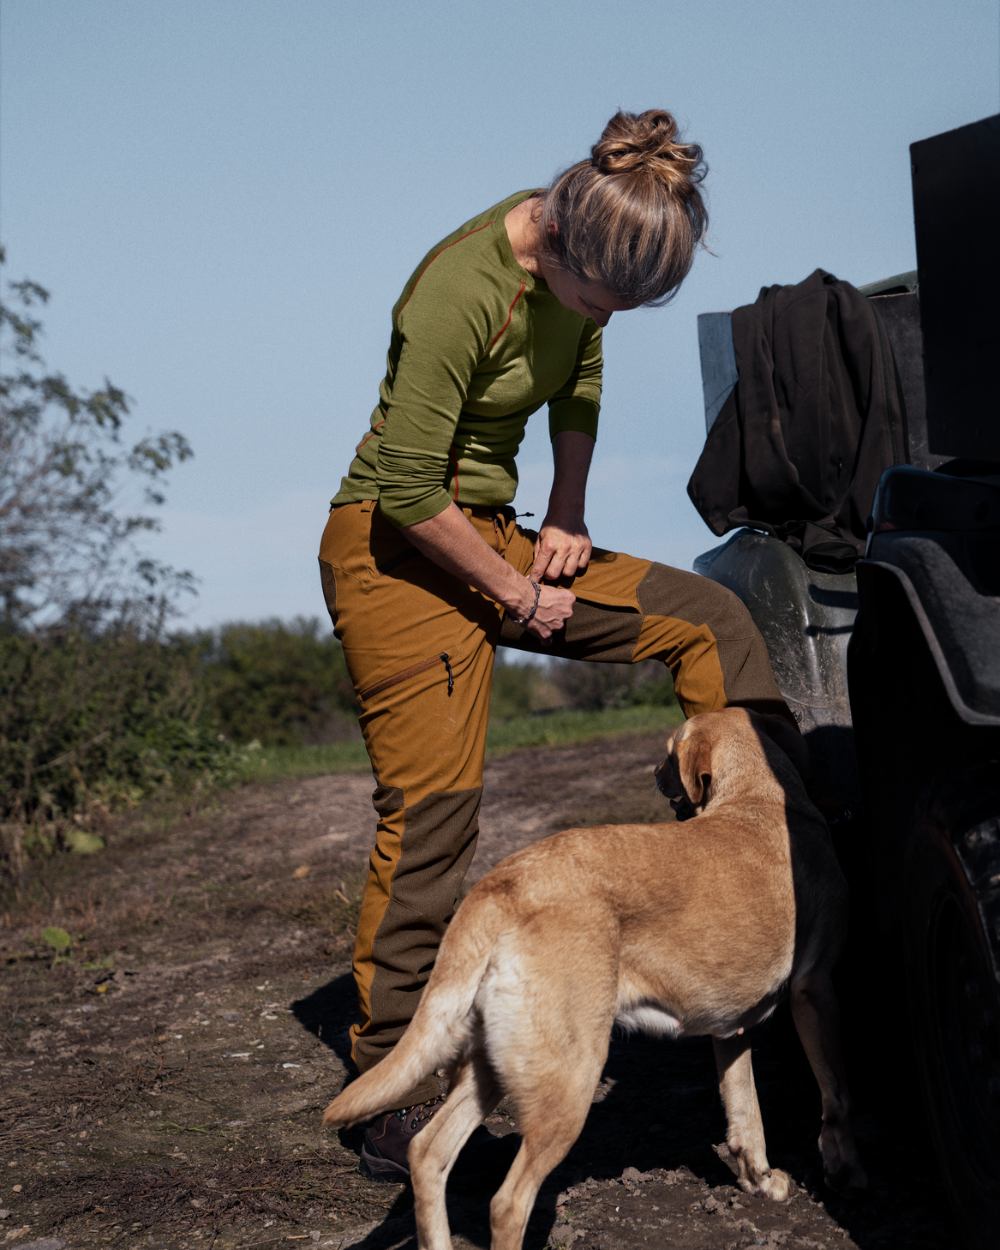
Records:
x=478, y=344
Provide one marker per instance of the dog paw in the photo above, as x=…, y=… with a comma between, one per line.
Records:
x=776, y=1185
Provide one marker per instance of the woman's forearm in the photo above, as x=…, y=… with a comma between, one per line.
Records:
x=571, y=456
x=453, y=544
x=563, y=546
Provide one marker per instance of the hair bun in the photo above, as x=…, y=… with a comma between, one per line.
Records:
x=632, y=215
x=634, y=142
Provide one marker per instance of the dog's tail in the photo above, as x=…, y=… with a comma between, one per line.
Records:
x=441, y=1026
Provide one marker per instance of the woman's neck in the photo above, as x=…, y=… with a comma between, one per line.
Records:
x=524, y=230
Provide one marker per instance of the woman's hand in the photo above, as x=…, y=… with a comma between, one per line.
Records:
x=562, y=548
x=451, y=542
x=555, y=607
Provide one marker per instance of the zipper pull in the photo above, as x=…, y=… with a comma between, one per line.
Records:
x=446, y=661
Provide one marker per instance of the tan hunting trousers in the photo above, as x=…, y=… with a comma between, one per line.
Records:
x=419, y=648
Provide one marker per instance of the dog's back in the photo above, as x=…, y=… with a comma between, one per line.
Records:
x=700, y=916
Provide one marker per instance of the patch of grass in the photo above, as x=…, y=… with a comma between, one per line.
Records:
x=560, y=728
x=569, y=725
x=275, y=763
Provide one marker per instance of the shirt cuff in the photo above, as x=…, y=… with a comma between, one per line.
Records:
x=407, y=507
x=572, y=413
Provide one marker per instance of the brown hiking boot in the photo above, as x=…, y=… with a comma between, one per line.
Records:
x=387, y=1139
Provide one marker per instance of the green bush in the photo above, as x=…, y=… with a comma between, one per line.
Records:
x=595, y=687
x=277, y=683
x=90, y=722
x=94, y=719
x=520, y=686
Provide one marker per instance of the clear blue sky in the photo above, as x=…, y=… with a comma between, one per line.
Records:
x=225, y=197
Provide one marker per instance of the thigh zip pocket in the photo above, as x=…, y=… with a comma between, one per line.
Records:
x=405, y=674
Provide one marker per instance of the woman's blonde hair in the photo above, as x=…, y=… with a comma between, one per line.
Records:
x=632, y=216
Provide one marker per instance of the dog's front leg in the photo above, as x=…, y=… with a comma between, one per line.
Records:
x=817, y=1021
x=745, y=1133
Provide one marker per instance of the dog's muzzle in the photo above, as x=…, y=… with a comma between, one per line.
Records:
x=672, y=791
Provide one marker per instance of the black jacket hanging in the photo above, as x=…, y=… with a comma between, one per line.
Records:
x=817, y=414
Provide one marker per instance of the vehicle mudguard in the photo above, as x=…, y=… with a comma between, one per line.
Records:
x=806, y=618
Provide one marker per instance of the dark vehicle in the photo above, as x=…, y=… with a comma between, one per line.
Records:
x=893, y=667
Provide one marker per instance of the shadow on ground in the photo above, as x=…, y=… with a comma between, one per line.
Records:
x=658, y=1115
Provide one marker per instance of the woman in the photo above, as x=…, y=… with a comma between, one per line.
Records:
x=426, y=570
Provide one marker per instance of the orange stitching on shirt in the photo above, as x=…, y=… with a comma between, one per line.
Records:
x=438, y=253
x=510, y=314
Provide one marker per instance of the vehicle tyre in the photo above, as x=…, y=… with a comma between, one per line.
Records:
x=951, y=922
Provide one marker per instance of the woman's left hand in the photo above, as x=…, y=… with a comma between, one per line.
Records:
x=562, y=548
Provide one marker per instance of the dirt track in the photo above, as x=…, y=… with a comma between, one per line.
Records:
x=161, y=1086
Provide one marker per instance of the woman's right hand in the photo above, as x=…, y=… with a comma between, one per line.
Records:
x=555, y=607
x=451, y=542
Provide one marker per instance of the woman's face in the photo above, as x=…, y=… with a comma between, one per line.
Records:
x=590, y=299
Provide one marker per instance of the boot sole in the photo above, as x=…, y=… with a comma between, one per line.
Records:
x=376, y=1168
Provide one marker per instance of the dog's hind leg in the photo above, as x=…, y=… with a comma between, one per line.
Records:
x=745, y=1132
x=473, y=1095
x=551, y=1111
x=817, y=1020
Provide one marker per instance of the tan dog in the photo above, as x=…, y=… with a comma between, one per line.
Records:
x=680, y=929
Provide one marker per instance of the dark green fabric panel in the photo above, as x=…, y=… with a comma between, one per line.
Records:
x=691, y=597
x=439, y=839
x=743, y=658
x=594, y=632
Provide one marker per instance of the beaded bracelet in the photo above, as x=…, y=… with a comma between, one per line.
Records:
x=525, y=620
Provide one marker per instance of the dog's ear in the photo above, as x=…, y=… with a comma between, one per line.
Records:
x=693, y=753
